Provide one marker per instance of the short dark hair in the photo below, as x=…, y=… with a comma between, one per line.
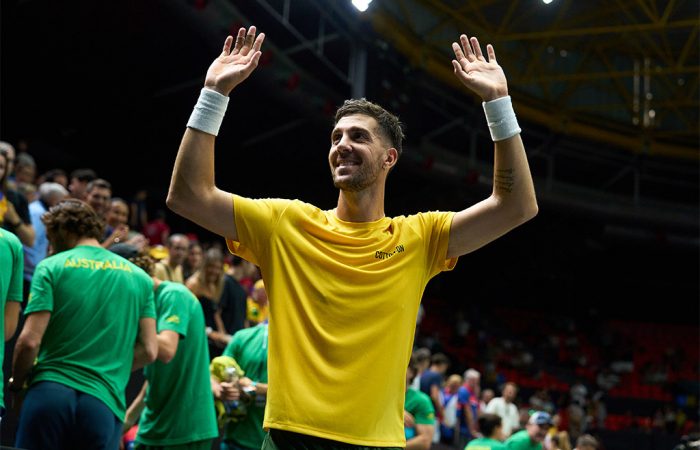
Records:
x=389, y=125
x=422, y=355
x=83, y=175
x=98, y=183
x=488, y=423
x=439, y=358
x=73, y=217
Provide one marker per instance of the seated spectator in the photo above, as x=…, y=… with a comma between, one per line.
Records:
x=116, y=221
x=79, y=180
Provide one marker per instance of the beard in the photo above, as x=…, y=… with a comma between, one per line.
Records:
x=363, y=177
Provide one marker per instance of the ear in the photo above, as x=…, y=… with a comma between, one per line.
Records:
x=391, y=158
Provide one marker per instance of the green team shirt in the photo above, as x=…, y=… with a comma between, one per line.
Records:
x=421, y=408
x=12, y=264
x=179, y=403
x=96, y=299
x=249, y=348
x=485, y=444
x=521, y=441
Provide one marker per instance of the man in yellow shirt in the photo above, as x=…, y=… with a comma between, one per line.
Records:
x=345, y=284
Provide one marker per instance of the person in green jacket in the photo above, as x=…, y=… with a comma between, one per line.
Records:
x=534, y=433
x=491, y=426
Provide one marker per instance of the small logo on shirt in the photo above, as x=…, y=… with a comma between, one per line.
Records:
x=386, y=255
x=173, y=319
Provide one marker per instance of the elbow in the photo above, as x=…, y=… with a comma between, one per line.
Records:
x=173, y=201
x=151, y=351
x=27, y=343
x=165, y=355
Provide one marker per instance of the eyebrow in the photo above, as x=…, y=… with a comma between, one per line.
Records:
x=350, y=129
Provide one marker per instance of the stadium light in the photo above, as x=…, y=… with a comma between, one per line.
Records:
x=546, y=2
x=361, y=5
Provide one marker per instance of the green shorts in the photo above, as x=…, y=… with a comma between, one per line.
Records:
x=286, y=440
x=198, y=445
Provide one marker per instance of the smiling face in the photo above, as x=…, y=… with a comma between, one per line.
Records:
x=359, y=155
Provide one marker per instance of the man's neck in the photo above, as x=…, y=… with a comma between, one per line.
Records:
x=362, y=206
x=91, y=242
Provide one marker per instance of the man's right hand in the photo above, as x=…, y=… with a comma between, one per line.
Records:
x=235, y=64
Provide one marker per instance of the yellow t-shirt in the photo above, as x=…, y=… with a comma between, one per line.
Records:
x=343, y=301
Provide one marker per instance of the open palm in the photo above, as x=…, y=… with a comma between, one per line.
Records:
x=484, y=77
x=236, y=61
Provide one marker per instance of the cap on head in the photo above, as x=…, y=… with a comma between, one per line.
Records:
x=540, y=418
x=124, y=250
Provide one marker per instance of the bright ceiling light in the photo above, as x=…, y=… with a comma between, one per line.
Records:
x=546, y=2
x=362, y=5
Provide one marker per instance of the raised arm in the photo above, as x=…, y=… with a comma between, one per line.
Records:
x=193, y=193
x=512, y=201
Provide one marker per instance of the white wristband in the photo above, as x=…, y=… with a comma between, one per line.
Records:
x=209, y=112
x=501, y=118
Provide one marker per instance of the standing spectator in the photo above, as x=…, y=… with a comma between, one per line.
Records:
x=14, y=209
x=10, y=153
x=193, y=259
x=419, y=414
x=232, y=310
x=486, y=396
x=79, y=180
x=249, y=348
x=422, y=356
x=245, y=272
x=208, y=285
x=505, y=407
x=117, y=223
x=54, y=176
x=98, y=195
x=431, y=382
x=170, y=268
x=534, y=433
x=89, y=321
x=11, y=261
x=25, y=169
x=468, y=397
x=491, y=426
x=257, y=306
x=449, y=425
x=50, y=194
x=186, y=419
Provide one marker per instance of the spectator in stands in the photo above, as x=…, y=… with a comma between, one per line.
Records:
x=232, y=311
x=587, y=442
x=11, y=155
x=422, y=358
x=98, y=195
x=25, y=169
x=257, y=305
x=14, y=209
x=174, y=407
x=486, y=396
x=504, y=406
x=170, y=268
x=79, y=180
x=449, y=423
x=432, y=379
x=245, y=272
x=90, y=319
x=208, y=285
x=534, y=433
x=468, y=397
x=12, y=262
x=541, y=400
x=419, y=414
x=193, y=259
x=117, y=223
x=491, y=428
x=50, y=194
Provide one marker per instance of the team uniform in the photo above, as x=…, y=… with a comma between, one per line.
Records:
x=96, y=299
x=521, y=441
x=421, y=408
x=11, y=285
x=249, y=348
x=486, y=444
x=343, y=304
x=179, y=408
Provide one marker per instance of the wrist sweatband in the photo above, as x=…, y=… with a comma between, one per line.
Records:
x=209, y=112
x=501, y=118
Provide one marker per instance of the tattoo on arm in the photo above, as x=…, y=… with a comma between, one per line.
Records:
x=504, y=180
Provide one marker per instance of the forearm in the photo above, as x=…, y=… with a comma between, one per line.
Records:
x=23, y=360
x=512, y=179
x=193, y=174
x=423, y=439
x=136, y=408
x=142, y=357
x=25, y=233
x=12, y=310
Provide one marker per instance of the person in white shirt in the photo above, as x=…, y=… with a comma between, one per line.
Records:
x=504, y=407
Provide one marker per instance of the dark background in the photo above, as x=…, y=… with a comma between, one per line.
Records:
x=110, y=85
